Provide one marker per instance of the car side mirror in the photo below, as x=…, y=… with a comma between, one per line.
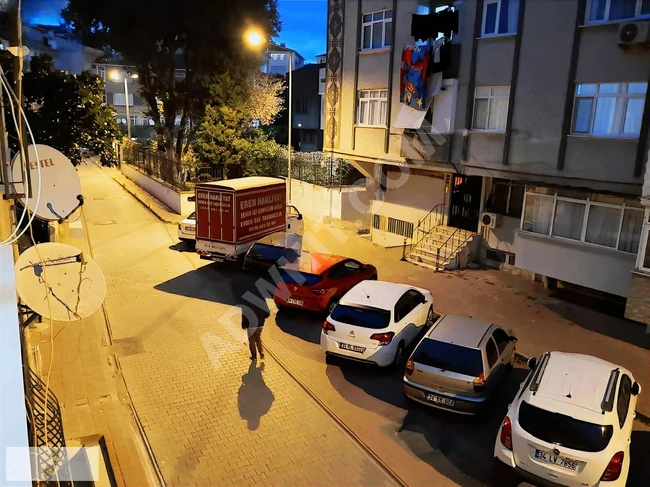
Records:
x=299, y=216
x=636, y=389
x=532, y=363
x=513, y=339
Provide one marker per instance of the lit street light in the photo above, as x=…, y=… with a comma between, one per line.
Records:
x=255, y=39
x=116, y=76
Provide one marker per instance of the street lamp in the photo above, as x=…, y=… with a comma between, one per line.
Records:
x=116, y=76
x=255, y=39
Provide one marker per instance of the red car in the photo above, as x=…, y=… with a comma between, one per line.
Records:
x=316, y=281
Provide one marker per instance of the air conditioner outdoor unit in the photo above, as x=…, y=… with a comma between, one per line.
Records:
x=489, y=220
x=630, y=33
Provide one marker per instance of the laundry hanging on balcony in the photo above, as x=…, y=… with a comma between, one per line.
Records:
x=413, y=76
x=430, y=26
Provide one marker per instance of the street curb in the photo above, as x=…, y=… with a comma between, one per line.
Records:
x=340, y=422
x=142, y=202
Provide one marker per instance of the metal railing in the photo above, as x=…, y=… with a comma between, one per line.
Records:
x=425, y=227
x=454, y=242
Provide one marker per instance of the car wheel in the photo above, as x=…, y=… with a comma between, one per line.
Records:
x=332, y=304
x=430, y=320
x=399, y=355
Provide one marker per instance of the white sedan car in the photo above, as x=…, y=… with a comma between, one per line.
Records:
x=570, y=424
x=187, y=228
x=375, y=321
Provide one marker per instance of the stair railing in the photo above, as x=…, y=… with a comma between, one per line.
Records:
x=428, y=224
x=454, y=242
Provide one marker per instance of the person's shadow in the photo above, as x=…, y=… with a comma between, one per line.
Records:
x=254, y=397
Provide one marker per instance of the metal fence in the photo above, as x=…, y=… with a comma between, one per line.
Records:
x=311, y=167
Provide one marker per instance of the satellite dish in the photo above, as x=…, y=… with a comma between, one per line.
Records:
x=73, y=281
x=60, y=184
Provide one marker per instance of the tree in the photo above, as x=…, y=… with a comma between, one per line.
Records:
x=65, y=111
x=158, y=36
x=227, y=134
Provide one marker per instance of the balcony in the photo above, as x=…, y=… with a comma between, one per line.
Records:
x=422, y=145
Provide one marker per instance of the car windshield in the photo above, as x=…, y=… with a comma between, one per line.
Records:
x=447, y=356
x=192, y=216
x=300, y=278
x=272, y=253
x=562, y=430
x=363, y=316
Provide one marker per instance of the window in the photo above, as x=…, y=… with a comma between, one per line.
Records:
x=371, y=108
x=448, y=356
x=400, y=227
x=609, y=109
x=623, y=401
x=500, y=17
x=344, y=269
x=562, y=430
x=613, y=10
x=363, y=316
x=101, y=71
x=491, y=353
x=491, y=108
x=118, y=99
x=501, y=338
x=608, y=221
x=407, y=303
x=376, y=30
x=507, y=198
x=301, y=106
x=277, y=56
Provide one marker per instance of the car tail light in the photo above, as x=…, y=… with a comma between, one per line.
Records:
x=327, y=326
x=320, y=292
x=479, y=382
x=383, y=338
x=506, y=433
x=613, y=470
x=410, y=367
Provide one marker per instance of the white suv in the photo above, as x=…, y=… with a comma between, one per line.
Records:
x=569, y=424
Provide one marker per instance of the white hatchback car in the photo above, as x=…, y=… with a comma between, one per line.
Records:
x=375, y=321
x=187, y=228
x=570, y=423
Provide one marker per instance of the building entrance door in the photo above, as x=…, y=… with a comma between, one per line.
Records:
x=465, y=202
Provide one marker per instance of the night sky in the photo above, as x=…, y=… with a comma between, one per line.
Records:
x=303, y=22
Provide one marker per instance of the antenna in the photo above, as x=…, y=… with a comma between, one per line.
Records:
x=75, y=283
x=60, y=184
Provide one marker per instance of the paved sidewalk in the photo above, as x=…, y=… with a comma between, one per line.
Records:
x=211, y=417
x=88, y=383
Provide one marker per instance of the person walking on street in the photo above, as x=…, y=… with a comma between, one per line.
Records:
x=254, y=332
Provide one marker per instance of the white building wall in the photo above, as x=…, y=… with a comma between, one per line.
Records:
x=317, y=202
x=178, y=201
x=578, y=263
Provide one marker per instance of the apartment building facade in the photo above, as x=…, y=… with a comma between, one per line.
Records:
x=541, y=121
x=279, y=58
x=307, y=101
x=113, y=71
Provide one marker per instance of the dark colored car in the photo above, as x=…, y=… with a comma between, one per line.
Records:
x=279, y=248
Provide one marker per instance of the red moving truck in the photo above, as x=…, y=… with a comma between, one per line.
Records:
x=232, y=215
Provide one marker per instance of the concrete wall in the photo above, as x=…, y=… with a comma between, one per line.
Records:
x=176, y=200
x=578, y=263
x=349, y=204
x=637, y=307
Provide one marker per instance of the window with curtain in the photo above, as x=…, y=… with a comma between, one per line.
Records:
x=569, y=217
x=612, y=221
x=613, y=10
x=491, y=108
x=500, y=17
x=371, y=107
x=609, y=109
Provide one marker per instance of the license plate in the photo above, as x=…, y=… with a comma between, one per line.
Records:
x=352, y=348
x=297, y=302
x=439, y=400
x=557, y=460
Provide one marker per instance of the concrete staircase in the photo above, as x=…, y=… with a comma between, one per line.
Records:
x=443, y=248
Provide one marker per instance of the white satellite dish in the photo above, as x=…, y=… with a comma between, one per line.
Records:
x=70, y=280
x=60, y=184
